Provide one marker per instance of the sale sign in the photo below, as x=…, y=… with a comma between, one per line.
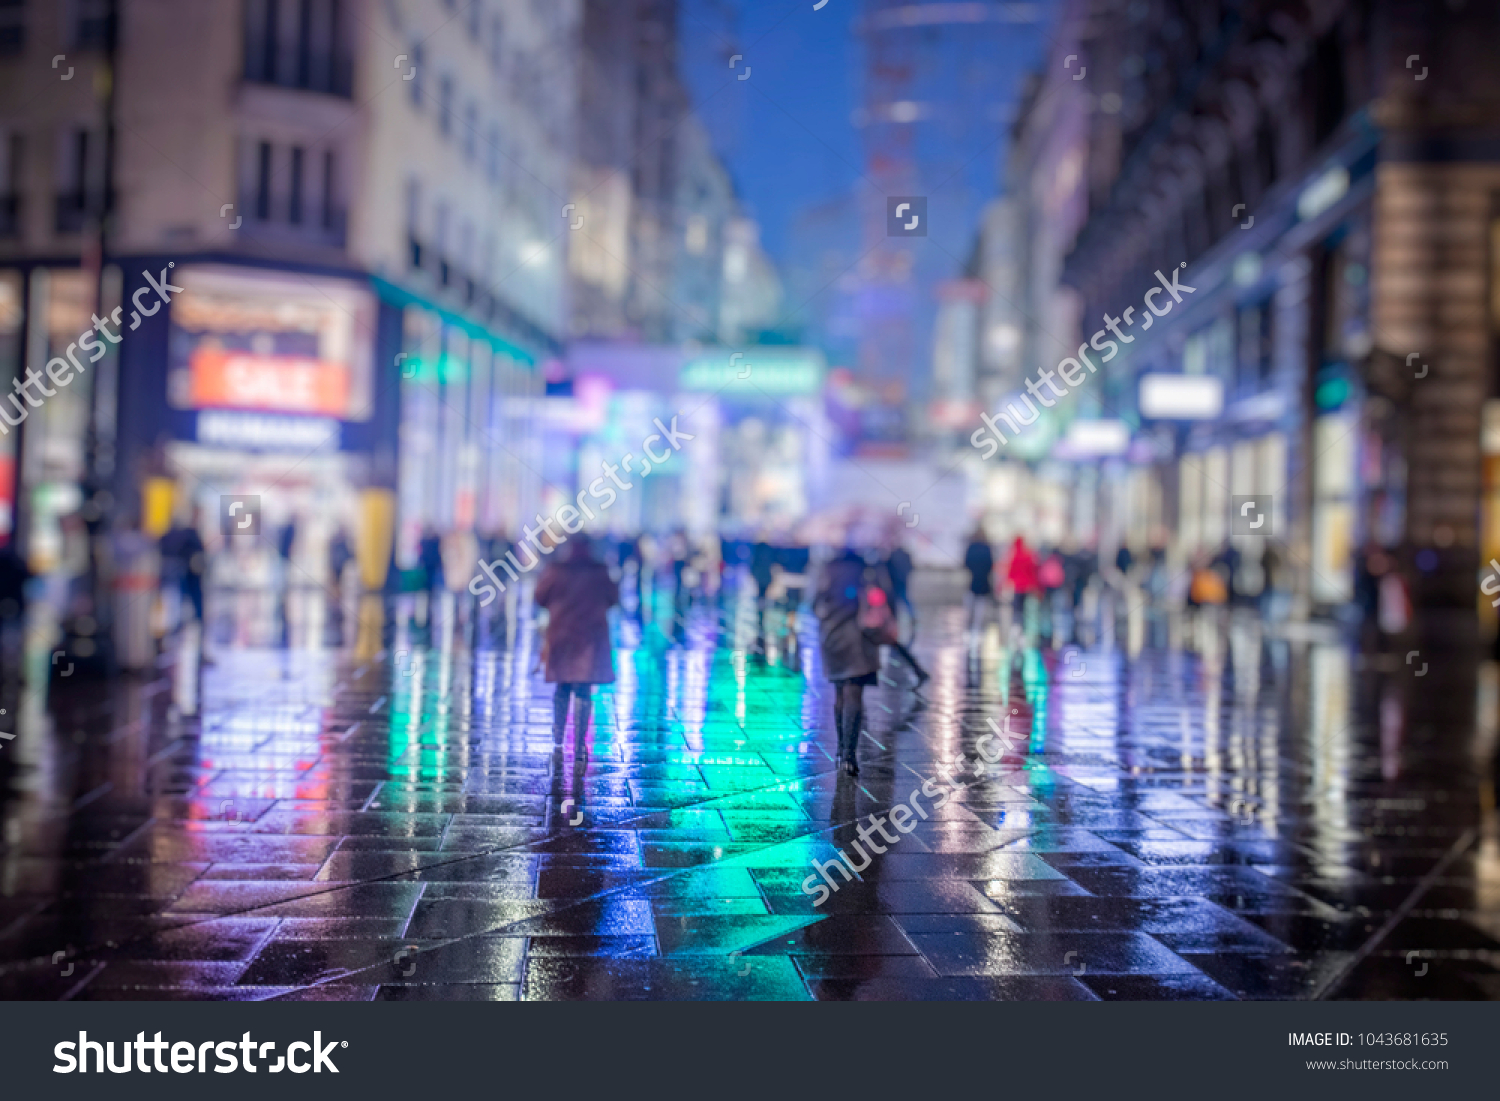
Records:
x=225, y=379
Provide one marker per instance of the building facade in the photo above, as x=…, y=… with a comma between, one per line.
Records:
x=1324, y=177
x=359, y=208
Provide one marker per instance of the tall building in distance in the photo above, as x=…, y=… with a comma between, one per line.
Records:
x=663, y=251
x=936, y=97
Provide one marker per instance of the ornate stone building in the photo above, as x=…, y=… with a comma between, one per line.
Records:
x=1329, y=172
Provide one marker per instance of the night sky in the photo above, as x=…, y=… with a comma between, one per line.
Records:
x=789, y=138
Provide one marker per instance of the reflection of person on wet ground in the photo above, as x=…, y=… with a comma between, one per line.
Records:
x=577, y=592
x=1371, y=565
x=851, y=660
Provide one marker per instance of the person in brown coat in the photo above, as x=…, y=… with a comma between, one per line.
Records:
x=851, y=657
x=577, y=592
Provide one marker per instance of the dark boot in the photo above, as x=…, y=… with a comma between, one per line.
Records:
x=560, y=711
x=849, y=724
x=583, y=712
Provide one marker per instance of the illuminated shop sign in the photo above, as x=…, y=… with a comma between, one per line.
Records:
x=1181, y=397
x=1326, y=189
x=267, y=431
x=271, y=342
x=1094, y=438
x=753, y=371
x=243, y=380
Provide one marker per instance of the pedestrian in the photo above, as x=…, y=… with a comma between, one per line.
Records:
x=14, y=575
x=1080, y=567
x=632, y=564
x=895, y=595
x=577, y=592
x=762, y=558
x=1051, y=575
x=979, y=560
x=430, y=559
x=1021, y=573
x=286, y=539
x=851, y=658
x=184, y=560
x=677, y=545
x=339, y=557
x=899, y=566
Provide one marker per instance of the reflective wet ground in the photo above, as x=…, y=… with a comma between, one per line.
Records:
x=1254, y=817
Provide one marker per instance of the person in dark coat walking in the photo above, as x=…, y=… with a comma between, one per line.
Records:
x=184, y=560
x=851, y=659
x=430, y=559
x=979, y=560
x=577, y=592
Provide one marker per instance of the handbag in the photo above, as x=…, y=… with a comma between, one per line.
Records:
x=1051, y=575
x=875, y=616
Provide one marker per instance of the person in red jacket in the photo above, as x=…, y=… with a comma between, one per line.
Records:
x=1021, y=573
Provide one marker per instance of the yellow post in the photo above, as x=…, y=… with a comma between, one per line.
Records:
x=157, y=498
x=377, y=533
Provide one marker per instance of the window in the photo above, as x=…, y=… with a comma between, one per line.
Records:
x=1326, y=74
x=418, y=67
x=12, y=26
x=298, y=44
x=471, y=131
x=77, y=196
x=1255, y=346
x=445, y=106
x=413, y=214
x=330, y=188
x=13, y=150
x=91, y=23
x=263, y=182
x=440, y=244
x=497, y=42
x=304, y=43
x=294, y=204
x=79, y=169
x=492, y=155
x=476, y=18
x=269, y=35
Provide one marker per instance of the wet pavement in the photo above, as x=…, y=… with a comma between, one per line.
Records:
x=1261, y=817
